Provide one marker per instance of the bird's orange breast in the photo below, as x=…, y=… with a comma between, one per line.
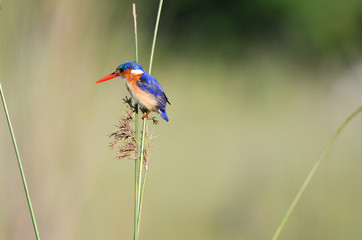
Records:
x=145, y=99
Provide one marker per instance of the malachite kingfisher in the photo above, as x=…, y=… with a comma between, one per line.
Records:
x=144, y=88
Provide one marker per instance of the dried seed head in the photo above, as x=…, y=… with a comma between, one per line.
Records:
x=148, y=148
x=124, y=136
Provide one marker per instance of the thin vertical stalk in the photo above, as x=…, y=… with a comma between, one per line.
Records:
x=142, y=191
x=155, y=35
x=136, y=209
x=135, y=30
x=311, y=174
x=141, y=173
x=20, y=165
x=137, y=166
x=136, y=56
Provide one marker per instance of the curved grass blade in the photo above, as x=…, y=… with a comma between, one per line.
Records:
x=312, y=172
x=20, y=165
x=155, y=35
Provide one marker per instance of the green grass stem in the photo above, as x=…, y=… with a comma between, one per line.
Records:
x=141, y=177
x=20, y=165
x=136, y=209
x=135, y=30
x=155, y=35
x=141, y=172
x=312, y=172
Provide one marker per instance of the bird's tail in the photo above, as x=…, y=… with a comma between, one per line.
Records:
x=163, y=114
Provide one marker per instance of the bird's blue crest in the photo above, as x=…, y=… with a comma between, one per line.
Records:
x=131, y=65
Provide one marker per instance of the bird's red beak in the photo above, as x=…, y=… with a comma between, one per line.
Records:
x=108, y=77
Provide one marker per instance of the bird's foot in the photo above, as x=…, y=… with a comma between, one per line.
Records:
x=146, y=115
x=130, y=103
x=154, y=120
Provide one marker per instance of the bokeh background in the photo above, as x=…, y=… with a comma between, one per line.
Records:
x=257, y=89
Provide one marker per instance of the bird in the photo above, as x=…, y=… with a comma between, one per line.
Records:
x=144, y=88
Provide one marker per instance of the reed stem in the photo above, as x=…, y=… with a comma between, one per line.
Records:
x=136, y=209
x=312, y=172
x=155, y=35
x=140, y=172
x=30, y=206
x=135, y=30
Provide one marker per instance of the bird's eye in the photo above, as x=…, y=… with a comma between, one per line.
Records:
x=121, y=70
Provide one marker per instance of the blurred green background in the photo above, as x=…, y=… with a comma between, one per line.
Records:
x=257, y=89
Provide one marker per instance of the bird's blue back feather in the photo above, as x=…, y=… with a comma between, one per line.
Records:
x=149, y=84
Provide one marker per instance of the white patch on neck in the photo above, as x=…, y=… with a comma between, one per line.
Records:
x=136, y=71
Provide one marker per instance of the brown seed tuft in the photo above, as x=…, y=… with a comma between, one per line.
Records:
x=124, y=136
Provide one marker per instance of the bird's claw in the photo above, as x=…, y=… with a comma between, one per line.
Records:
x=129, y=102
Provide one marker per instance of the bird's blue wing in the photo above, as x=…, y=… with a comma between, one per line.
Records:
x=149, y=84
